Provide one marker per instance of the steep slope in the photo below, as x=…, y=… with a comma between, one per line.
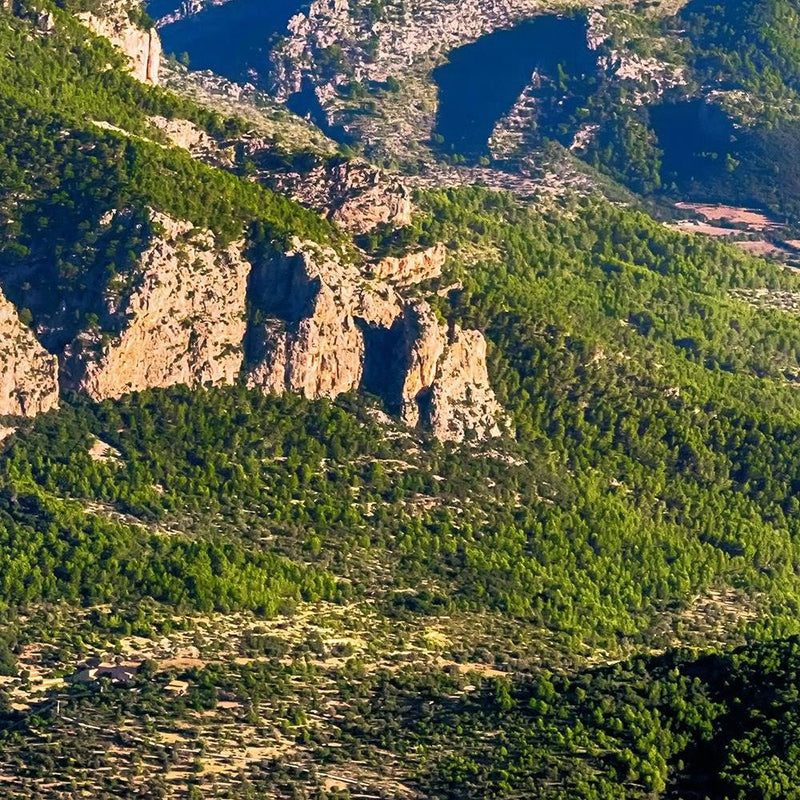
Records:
x=28, y=373
x=329, y=329
x=116, y=21
x=157, y=290
x=181, y=319
x=674, y=100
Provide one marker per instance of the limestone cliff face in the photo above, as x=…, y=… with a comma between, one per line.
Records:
x=462, y=402
x=182, y=319
x=195, y=312
x=142, y=47
x=312, y=342
x=28, y=373
x=422, y=346
x=330, y=328
x=445, y=385
x=364, y=197
x=412, y=268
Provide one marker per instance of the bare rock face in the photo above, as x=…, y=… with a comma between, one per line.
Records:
x=404, y=40
x=28, y=373
x=183, y=319
x=312, y=342
x=187, y=8
x=445, y=387
x=424, y=341
x=46, y=22
x=328, y=328
x=321, y=356
x=354, y=194
x=193, y=311
x=186, y=135
x=365, y=198
x=462, y=402
x=412, y=268
x=143, y=48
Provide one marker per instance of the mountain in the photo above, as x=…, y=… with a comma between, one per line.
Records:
x=388, y=415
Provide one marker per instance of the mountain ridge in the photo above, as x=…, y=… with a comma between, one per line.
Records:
x=455, y=475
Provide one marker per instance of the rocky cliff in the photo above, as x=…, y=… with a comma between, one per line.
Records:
x=445, y=383
x=354, y=194
x=28, y=373
x=462, y=402
x=182, y=319
x=142, y=47
x=195, y=312
x=188, y=136
x=326, y=327
x=411, y=268
x=316, y=306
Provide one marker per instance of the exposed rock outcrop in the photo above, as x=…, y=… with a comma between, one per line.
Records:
x=28, y=373
x=332, y=328
x=354, y=194
x=422, y=345
x=187, y=8
x=182, y=319
x=412, y=268
x=382, y=48
x=45, y=22
x=364, y=197
x=312, y=342
x=403, y=40
x=192, y=311
x=445, y=385
x=462, y=402
x=142, y=47
x=186, y=135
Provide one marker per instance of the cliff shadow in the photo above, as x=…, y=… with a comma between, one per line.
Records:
x=383, y=357
x=70, y=276
x=233, y=39
x=305, y=103
x=483, y=80
x=279, y=294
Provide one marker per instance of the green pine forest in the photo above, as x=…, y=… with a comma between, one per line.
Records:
x=623, y=564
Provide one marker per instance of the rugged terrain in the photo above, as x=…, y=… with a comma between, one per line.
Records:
x=395, y=441
x=191, y=310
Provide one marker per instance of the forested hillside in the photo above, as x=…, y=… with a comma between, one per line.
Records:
x=218, y=591
x=723, y=119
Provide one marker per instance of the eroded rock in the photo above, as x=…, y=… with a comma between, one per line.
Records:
x=423, y=343
x=445, y=386
x=365, y=197
x=312, y=342
x=142, y=47
x=354, y=194
x=462, y=402
x=186, y=135
x=28, y=373
x=183, y=315
x=331, y=328
x=412, y=268
x=193, y=311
